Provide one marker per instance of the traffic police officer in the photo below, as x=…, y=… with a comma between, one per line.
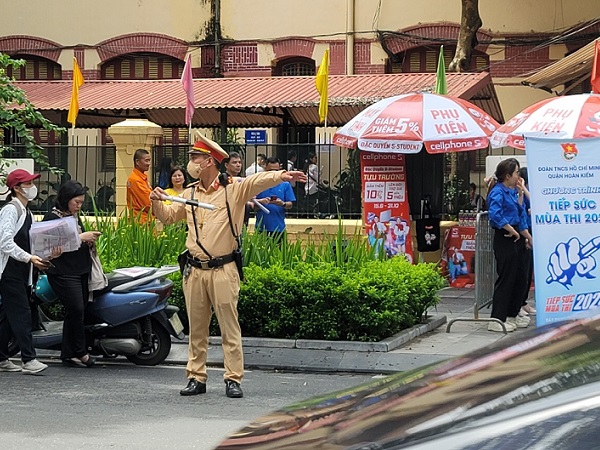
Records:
x=211, y=276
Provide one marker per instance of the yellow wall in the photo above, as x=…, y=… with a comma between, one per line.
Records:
x=514, y=97
x=248, y=19
x=89, y=22
x=71, y=23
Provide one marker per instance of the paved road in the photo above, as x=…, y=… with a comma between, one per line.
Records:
x=121, y=406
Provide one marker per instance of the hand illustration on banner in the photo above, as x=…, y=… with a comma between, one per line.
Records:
x=571, y=258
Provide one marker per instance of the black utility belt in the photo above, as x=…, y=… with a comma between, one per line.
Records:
x=212, y=263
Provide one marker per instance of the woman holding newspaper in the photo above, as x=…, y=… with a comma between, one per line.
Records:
x=69, y=277
x=16, y=274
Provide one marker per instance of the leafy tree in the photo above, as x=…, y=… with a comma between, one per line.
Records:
x=17, y=113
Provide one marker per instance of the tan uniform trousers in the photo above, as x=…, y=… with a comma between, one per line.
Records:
x=218, y=288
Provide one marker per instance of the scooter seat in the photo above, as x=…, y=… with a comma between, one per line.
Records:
x=116, y=279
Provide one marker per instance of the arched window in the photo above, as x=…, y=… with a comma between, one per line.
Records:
x=142, y=66
x=145, y=66
x=424, y=59
x=295, y=67
x=36, y=68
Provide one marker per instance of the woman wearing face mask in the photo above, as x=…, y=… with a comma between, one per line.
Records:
x=69, y=277
x=16, y=274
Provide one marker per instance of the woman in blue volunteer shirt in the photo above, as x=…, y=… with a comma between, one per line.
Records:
x=511, y=236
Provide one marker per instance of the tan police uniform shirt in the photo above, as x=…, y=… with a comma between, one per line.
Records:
x=214, y=231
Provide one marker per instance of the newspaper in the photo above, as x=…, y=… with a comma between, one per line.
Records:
x=60, y=233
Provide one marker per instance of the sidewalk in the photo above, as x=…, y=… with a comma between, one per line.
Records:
x=421, y=345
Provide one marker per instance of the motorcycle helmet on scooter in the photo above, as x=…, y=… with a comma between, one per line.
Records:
x=43, y=290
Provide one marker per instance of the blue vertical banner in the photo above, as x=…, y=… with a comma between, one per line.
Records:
x=564, y=181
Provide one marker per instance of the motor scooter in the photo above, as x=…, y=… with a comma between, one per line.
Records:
x=130, y=317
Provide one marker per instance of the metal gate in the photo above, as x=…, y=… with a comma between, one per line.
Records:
x=485, y=271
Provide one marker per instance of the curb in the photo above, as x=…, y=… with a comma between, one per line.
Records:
x=312, y=355
x=385, y=345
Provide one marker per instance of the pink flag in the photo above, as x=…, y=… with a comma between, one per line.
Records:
x=188, y=86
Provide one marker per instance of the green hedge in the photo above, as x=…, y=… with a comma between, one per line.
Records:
x=337, y=290
x=327, y=302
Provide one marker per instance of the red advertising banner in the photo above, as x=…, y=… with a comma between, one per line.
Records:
x=458, y=256
x=386, y=214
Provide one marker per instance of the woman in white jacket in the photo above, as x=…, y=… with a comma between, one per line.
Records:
x=16, y=273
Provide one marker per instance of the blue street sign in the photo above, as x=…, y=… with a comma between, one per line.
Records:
x=256, y=136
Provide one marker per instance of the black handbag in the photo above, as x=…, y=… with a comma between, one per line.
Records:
x=428, y=230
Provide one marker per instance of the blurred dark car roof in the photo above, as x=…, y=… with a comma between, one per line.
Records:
x=537, y=390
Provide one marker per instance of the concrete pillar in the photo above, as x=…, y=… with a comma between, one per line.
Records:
x=128, y=136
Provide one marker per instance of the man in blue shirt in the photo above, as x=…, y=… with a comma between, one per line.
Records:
x=276, y=199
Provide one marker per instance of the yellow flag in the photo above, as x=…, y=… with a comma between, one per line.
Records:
x=77, y=83
x=321, y=82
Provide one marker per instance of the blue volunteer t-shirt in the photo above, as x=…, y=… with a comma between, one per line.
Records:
x=504, y=208
x=275, y=221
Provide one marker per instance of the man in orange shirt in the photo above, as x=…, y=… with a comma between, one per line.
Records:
x=138, y=188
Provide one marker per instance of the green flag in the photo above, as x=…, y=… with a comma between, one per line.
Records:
x=440, y=76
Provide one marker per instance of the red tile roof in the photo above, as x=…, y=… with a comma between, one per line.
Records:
x=250, y=102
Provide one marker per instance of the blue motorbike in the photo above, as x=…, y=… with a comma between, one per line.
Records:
x=130, y=317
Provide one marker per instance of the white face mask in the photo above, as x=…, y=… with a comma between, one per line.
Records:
x=30, y=193
x=195, y=169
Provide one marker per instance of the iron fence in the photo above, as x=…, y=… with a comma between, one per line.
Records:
x=91, y=165
x=485, y=271
x=339, y=188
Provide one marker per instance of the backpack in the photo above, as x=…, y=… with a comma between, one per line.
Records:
x=19, y=210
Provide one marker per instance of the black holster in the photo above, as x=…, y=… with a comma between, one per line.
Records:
x=182, y=259
x=237, y=258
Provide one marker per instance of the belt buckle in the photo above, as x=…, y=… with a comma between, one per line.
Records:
x=204, y=265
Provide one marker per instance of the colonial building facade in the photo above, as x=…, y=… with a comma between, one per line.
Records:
x=150, y=40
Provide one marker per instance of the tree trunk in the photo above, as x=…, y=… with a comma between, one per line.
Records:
x=467, y=40
x=467, y=37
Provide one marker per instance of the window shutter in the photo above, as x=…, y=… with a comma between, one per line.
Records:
x=167, y=136
x=42, y=70
x=153, y=68
x=431, y=60
x=30, y=70
x=414, y=62
x=481, y=63
x=125, y=72
x=139, y=68
x=167, y=69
